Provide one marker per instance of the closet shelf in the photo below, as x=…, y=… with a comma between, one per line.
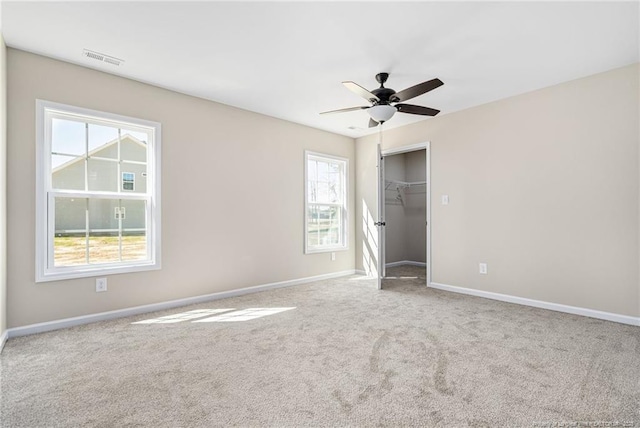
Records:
x=403, y=184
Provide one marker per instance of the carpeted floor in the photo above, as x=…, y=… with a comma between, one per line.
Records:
x=347, y=355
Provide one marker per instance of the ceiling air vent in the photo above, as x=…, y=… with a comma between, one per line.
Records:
x=102, y=57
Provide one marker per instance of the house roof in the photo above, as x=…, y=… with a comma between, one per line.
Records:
x=95, y=152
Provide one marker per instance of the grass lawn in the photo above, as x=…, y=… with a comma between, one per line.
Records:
x=72, y=250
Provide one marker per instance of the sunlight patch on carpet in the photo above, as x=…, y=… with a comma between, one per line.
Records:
x=183, y=316
x=244, y=315
x=226, y=315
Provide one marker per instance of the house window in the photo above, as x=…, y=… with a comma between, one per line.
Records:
x=128, y=181
x=326, y=180
x=87, y=162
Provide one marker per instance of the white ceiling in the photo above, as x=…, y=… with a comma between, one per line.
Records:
x=287, y=59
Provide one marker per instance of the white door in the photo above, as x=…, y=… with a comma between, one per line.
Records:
x=380, y=223
x=428, y=211
x=381, y=206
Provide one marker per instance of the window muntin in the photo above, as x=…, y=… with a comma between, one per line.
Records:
x=325, y=203
x=93, y=218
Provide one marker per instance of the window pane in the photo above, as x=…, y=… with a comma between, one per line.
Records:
x=104, y=247
x=313, y=191
x=312, y=170
x=103, y=216
x=68, y=137
x=323, y=171
x=335, y=190
x=323, y=192
x=326, y=186
x=335, y=229
x=104, y=240
x=142, y=137
x=67, y=172
x=103, y=175
x=324, y=222
x=134, y=237
x=103, y=141
x=133, y=146
x=312, y=240
x=312, y=224
x=324, y=225
x=69, y=242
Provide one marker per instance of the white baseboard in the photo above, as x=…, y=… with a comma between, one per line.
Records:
x=592, y=313
x=360, y=272
x=3, y=340
x=120, y=313
x=405, y=262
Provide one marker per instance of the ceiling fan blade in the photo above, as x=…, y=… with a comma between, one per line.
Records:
x=372, y=123
x=410, y=108
x=419, y=89
x=359, y=90
x=342, y=110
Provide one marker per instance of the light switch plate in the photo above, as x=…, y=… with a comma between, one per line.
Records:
x=445, y=199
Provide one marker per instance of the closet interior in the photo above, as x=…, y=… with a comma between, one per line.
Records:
x=405, y=191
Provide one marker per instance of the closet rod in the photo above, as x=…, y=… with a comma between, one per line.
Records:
x=403, y=184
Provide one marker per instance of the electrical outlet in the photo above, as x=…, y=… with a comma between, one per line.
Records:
x=445, y=199
x=483, y=268
x=101, y=285
x=333, y=257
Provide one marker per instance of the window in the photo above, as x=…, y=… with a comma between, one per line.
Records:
x=325, y=202
x=120, y=213
x=92, y=219
x=128, y=181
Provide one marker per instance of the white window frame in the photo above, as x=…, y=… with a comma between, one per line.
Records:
x=45, y=194
x=308, y=249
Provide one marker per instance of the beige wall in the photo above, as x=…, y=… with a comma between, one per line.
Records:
x=232, y=194
x=3, y=187
x=544, y=187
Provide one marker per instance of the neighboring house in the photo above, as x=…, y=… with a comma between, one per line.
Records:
x=111, y=167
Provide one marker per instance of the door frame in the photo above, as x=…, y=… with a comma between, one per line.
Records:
x=426, y=146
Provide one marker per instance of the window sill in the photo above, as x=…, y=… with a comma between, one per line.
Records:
x=88, y=272
x=326, y=250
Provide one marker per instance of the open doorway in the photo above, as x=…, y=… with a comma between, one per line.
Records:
x=404, y=207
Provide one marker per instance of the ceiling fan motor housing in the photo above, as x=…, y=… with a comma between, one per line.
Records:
x=384, y=94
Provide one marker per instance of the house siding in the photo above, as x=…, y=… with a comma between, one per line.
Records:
x=103, y=176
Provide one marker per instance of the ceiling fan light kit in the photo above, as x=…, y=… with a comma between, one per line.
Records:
x=382, y=98
x=381, y=112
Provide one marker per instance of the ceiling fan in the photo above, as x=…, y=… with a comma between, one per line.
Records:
x=385, y=101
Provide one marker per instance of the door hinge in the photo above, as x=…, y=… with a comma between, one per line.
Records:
x=380, y=223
